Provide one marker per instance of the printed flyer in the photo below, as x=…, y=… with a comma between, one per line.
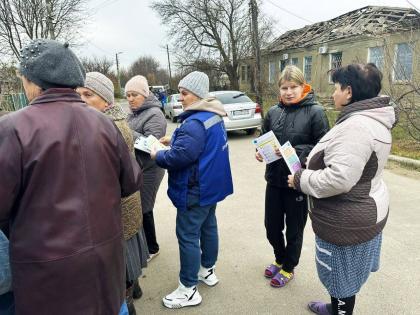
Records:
x=146, y=144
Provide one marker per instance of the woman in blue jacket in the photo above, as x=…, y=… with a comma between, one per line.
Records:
x=199, y=177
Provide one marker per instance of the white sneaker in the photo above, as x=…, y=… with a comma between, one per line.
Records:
x=151, y=256
x=208, y=276
x=182, y=296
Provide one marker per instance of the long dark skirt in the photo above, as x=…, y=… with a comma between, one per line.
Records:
x=137, y=254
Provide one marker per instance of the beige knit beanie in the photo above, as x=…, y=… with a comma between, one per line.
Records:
x=138, y=84
x=101, y=85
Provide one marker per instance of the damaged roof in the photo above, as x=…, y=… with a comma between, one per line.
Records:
x=369, y=21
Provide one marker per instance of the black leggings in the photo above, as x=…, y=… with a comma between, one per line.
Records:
x=285, y=206
x=150, y=232
x=342, y=306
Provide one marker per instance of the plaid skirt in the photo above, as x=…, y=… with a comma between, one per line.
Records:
x=344, y=269
x=136, y=255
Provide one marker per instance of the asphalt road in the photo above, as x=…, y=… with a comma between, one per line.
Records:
x=244, y=252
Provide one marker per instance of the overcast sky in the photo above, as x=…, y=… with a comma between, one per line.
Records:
x=131, y=27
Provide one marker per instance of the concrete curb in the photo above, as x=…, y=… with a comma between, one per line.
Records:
x=405, y=161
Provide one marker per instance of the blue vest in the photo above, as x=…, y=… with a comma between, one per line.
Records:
x=214, y=175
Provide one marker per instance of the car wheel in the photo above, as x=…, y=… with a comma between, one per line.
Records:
x=174, y=119
x=250, y=131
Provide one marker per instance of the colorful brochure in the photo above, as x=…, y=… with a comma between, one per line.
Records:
x=290, y=157
x=266, y=146
x=146, y=144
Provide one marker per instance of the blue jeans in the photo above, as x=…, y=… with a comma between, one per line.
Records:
x=124, y=309
x=5, y=272
x=7, y=304
x=196, y=229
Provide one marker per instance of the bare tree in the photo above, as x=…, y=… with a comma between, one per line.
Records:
x=9, y=82
x=217, y=77
x=23, y=20
x=98, y=64
x=209, y=29
x=151, y=69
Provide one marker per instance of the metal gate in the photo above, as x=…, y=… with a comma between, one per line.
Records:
x=13, y=102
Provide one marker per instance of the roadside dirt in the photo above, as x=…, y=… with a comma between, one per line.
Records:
x=401, y=170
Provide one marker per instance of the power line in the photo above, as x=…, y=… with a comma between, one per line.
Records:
x=278, y=26
x=290, y=12
x=413, y=5
x=103, y=50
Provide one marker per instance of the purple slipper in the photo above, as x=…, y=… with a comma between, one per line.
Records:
x=280, y=280
x=318, y=307
x=271, y=271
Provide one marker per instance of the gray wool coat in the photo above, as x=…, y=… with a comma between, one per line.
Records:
x=145, y=121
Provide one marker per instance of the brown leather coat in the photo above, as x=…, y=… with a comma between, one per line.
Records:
x=63, y=170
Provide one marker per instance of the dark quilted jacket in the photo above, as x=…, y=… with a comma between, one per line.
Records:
x=303, y=124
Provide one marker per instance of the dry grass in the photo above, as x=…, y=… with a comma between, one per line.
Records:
x=402, y=143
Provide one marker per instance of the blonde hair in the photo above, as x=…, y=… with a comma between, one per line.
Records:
x=291, y=73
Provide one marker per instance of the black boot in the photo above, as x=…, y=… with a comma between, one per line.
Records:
x=137, y=292
x=129, y=300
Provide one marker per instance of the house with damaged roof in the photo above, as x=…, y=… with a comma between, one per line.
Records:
x=386, y=36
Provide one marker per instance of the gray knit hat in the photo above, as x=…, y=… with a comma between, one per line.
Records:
x=197, y=83
x=101, y=85
x=49, y=64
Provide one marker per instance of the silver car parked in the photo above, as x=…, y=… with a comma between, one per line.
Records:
x=173, y=108
x=242, y=112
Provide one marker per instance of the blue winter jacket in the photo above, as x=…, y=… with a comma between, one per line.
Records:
x=198, y=161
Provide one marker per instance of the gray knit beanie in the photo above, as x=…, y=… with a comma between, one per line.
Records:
x=49, y=64
x=197, y=83
x=101, y=85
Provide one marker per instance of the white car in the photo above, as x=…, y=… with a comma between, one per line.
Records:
x=173, y=108
x=242, y=112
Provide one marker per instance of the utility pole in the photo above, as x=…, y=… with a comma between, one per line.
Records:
x=169, y=65
x=257, y=53
x=118, y=73
x=50, y=19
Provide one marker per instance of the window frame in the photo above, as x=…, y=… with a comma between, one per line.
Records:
x=383, y=56
x=271, y=79
x=304, y=67
x=394, y=68
x=341, y=63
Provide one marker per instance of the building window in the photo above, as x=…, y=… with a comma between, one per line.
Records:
x=403, y=66
x=307, y=68
x=283, y=64
x=271, y=72
x=376, y=56
x=294, y=61
x=335, y=62
x=244, y=74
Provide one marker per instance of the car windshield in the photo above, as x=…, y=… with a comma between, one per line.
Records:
x=235, y=97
